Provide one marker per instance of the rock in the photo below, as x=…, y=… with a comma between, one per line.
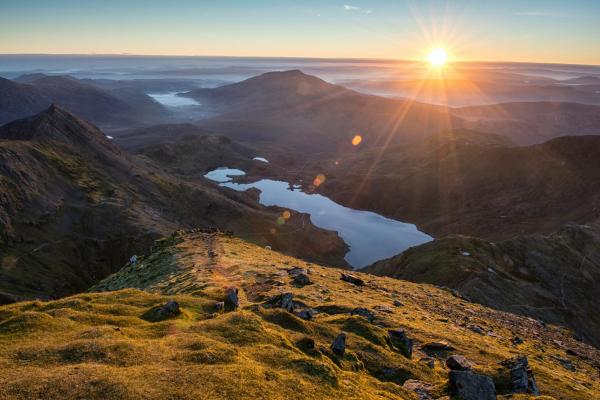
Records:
x=421, y=389
x=401, y=342
x=398, y=303
x=517, y=340
x=521, y=376
x=436, y=347
x=296, y=271
x=466, y=385
x=567, y=364
x=302, y=279
x=352, y=279
x=232, y=301
x=339, y=345
x=220, y=306
x=307, y=314
x=306, y=343
x=476, y=329
x=284, y=300
x=268, y=248
x=363, y=312
x=384, y=309
x=171, y=309
x=458, y=363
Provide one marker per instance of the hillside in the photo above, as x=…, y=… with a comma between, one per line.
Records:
x=552, y=278
x=74, y=207
x=119, y=344
x=467, y=182
x=31, y=94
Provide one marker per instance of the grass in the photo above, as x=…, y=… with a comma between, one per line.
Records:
x=101, y=344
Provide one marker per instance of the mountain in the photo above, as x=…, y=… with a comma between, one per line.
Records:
x=467, y=182
x=533, y=122
x=162, y=320
x=548, y=277
x=294, y=109
x=114, y=108
x=135, y=139
x=74, y=207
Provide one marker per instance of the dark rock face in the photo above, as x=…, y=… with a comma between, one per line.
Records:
x=220, y=306
x=306, y=343
x=421, y=389
x=458, y=363
x=285, y=301
x=363, y=312
x=232, y=301
x=307, y=314
x=436, y=347
x=339, y=344
x=521, y=376
x=401, y=342
x=352, y=279
x=467, y=385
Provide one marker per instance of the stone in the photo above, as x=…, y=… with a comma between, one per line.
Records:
x=306, y=343
x=466, y=385
x=521, y=376
x=220, y=306
x=363, y=312
x=421, y=389
x=401, y=342
x=339, y=345
x=296, y=270
x=284, y=300
x=352, y=279
x=436, y=347
x=307, y=314
x=398, y=303
x=517, y=340
x=458, y=363
x=232, y=301
x=476, y=329
x=170, y=309
x=302, y=279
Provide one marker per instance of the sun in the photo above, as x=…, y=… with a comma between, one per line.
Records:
x=438, y=57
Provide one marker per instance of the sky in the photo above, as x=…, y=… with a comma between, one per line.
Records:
x=509, y=30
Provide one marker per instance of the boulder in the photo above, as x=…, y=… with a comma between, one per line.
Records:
x=306, y=314
x=232, y=300
x=466, y=385
x=458, y=363
x=398, y=303
x=352, y=279
x=363, y=312
x=521, y=376
x=220, y=306
x=339, y=344
x=284, y=300
x=170, y=309
x=422, y=389
x=400, y=342
x=436, y=347
x=302, y=279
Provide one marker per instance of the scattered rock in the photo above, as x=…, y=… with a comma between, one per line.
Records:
x=421, y=389
x=296, y=271
x=567, y=364
x=352, y=279
x=517, y=340
x=306, y=343
x=401, y=342
x=467, y=385
x=476, y=329
x=339, y=344
x=398, y=303
x=458, y=363
x=436, y=347
x=307, y=314
x=232, y=300
x=220, y=306
x=302, y=279
x=363, y=312
x=521, y=376
x=171, y=309
x=212, y=254
x=384, y=309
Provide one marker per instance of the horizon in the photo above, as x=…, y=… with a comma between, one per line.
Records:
x=538, y=32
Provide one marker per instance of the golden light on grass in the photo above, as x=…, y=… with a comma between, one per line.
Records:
x=356, y=140
x=437, y=57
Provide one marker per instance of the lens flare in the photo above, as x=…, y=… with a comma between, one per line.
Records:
x=319, y=179
x=356, y=140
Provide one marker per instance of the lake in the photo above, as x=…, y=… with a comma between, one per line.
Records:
x=370, y=236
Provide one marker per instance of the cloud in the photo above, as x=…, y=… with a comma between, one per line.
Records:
x=539, y=13
x=348, y=7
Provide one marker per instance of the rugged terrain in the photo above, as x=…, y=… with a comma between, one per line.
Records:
x=548, y=277
x=74, y=207
x=125, y=341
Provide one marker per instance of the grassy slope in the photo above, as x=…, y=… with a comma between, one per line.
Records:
x=106, y=345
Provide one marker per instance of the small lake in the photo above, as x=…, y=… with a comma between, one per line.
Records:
x=171, y=99
x=370, y=236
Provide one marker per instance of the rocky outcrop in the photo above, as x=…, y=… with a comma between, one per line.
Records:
x=467, y=385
